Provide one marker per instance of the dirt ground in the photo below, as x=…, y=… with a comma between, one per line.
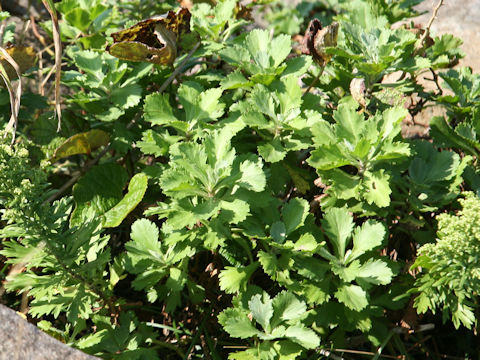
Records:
x=461, y=19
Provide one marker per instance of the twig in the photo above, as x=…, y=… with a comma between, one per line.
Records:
x=58, y=59
x=41, y=90
x=179, y=68
x=44, y=82
x=435, y=79
x=314, y=81
x=2, y=30
x=14, y=100
x=330, y=355
x=358, y=352
x=40, y=37
x=427, y=29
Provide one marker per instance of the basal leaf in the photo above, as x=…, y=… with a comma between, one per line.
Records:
x=377, y=188
x=375, y=272
x=278, y=232
x=338, y=226
x=252, y=175
x=234, y=211
x=366, y=238
x=126, y=96
x=280, y=47
x=272, y=151
x=349, y=124
x=154, y=143
x=303, y=336
x=257, y=42
x=353, y=296
x=234, y=279
x=236, y=323
x=288, y=92
x=262, y=310
x=430, y=165
x=287, y=307
x=157, y=109
x=327, y=157
x=235, y=80
x=145, y=235
x=294, y=214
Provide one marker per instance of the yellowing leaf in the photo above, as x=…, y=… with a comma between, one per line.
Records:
x=24, y=56
x=83, y=143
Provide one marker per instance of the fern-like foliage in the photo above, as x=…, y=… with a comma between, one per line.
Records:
x=450, y=278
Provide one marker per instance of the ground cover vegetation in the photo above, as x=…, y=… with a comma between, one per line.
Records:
x=200, y=185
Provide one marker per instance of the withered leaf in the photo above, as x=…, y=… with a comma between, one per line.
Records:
x=153, y=40
x=317, y=39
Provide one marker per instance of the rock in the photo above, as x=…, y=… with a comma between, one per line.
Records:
x=23, y=341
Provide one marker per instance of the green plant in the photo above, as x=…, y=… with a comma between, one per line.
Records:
x=449, y=278
x=242, y=195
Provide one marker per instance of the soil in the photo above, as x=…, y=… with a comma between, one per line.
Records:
x=456, y=17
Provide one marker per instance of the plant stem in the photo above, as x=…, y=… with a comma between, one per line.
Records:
x=314, y=81
x=179, y=68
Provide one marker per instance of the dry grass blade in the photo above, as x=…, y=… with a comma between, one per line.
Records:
x=15, y=96
x=58, y=58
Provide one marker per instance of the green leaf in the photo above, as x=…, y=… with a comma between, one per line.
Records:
x=443, y=132
x=252, y=175
x=277, y=232
x=257, y=42
x=303, y=336
x=349, y=124
x=272, y=151
x=288, y=92
x=154, y=143
x=236, y=323
x=431, y=166
x=366, y=238
x=287, y=307
x=294, y=214
x=91, y=62
x=200, y=104
x=376, y=188
x=91, y=340
x=327, y=157
x=280, y=47
x=338, y=226
x=346, y=273
x=79, y=18
x=237, y=210
x=126, y=96
x=157, y=109
x=235, y=80
x=145, y=235
x=97, y=192
x=353, y=296
x=234, y=279
x=262, y=310
x=136, y=190
x=297, y=65
x=375, y=272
